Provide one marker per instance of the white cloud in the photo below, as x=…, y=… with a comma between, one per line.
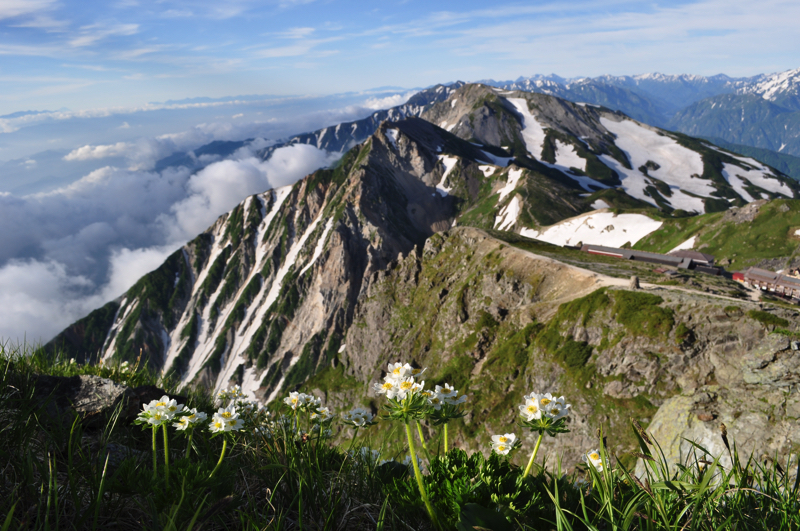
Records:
x=93, y=33
x=68, y=251
x=98, y=152
x=16, y=8
x=387, y=102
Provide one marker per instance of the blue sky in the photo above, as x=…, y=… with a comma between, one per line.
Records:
x=105, y=54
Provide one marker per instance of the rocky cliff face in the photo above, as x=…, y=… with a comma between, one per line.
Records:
x=499, y=323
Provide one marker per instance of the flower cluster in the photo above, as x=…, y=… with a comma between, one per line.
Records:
x=159, y=412
x=503, y=444
x=189, y=419
x=358, y=417
x=301, y=401
x=399, y=382
x=226, y=419
x=546, y=406
x=230, y=394
x=445, y=395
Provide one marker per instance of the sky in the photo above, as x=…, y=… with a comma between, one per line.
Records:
x=94, y=93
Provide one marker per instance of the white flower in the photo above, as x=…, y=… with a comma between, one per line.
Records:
x=593, y=458
x=530, y=410
x=387, y=388
x=295, y=400
x=358, y=417
x=503, y=444
x=187, y=421
x=217, y=424
x=323, y=414
x=445, y=392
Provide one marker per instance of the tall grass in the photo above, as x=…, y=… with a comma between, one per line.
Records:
x=60, y=473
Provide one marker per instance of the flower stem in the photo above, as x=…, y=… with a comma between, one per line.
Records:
x=155, y=455
x=166, y=455
x=421, y=438
x=418, y=475
x=221, y=455
x=189, y=443
x=445, y=438
x=533, y=455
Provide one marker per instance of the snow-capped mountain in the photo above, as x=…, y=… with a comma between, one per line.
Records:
x=266, y=295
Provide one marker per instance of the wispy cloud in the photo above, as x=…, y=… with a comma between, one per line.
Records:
x=93, y=33
x=17, y=8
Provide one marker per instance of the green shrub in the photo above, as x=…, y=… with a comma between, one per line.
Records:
x=768, y=319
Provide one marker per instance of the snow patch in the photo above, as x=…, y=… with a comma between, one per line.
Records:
x=511, y=183
x=685, y=246
x=760, y=176
x=487, y=170
x=567, y=156
x=319, y=248
x=597, y=205
x=453, y=103
x=391, y=135
x=532, y=131
x=598, y=228
x=449, y=163
x=508, y=216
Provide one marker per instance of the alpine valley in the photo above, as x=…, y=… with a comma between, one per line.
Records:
x=446, y=237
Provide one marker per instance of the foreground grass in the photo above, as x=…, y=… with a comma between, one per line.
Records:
x=57, y=473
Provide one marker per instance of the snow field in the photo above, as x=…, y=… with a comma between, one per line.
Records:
x=597, y=205
x=761, y=177
x=597, y=228
x=677, y=164
x=567, y=156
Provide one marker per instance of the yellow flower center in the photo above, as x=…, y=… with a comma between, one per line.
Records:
x=226, y=414
x=161, y=404
x=405, y=386
x=294, y=400
x=546, y=401
x=396, y=371
x=501, y=448
x=531, y=409
x=173, y=408
x=415, y=371
x=503, y=439
x=388, y=385
x=554, y=411
x=435, y=400
x=218, y=424
x=594, y=457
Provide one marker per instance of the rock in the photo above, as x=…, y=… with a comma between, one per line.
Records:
x=92, y=398
x=634, y=282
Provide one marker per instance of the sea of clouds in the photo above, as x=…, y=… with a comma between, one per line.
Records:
x=67, y=250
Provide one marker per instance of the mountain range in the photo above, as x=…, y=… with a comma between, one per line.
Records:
x=438, y=239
